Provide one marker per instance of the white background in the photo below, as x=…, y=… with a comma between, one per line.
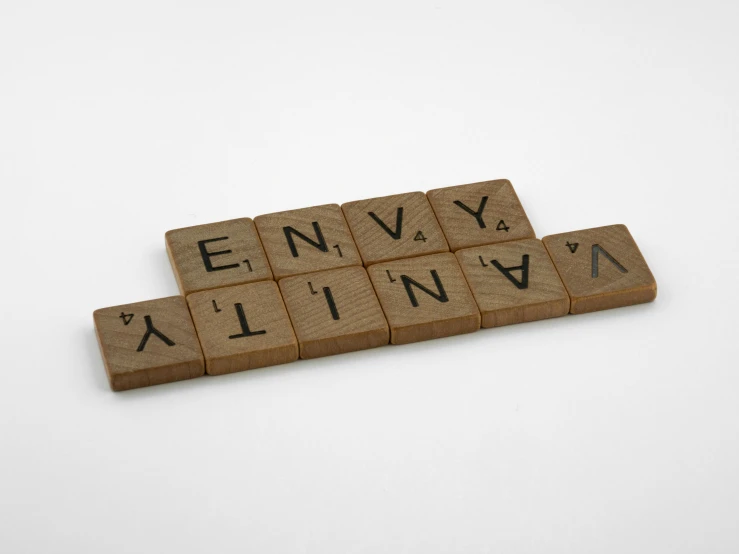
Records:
x=611, y=432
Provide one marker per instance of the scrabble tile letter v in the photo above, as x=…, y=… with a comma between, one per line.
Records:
x=393, y=227
x=602, y=268
x=216, y=255
x=148, y=343
x=480, y=213
x=307, y=240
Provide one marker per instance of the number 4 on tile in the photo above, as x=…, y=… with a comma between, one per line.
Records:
x=126, y=318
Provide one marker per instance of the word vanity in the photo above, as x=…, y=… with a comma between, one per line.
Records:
x=331, y=279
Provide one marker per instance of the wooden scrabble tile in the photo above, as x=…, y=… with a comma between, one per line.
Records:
x=393, y=227
x=601, y=268
x=243, y=327
x=217, y=255
x=480, y=213
x=334, y=311
x=514, y=282
x=148, y=343
x=425, y=298
x=307, y=240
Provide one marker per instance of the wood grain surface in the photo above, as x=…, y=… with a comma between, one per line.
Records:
x=216, y=255
x=243, y=327
x=148, y=343
x=413, y=314
x=393, y=227
x=334, y=311
x=480, y=213
x=514, y=282
x=601, y=268
x=326, y=242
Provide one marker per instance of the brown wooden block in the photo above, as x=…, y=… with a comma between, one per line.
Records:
x=334, y=311
x=307, y=240
x=480, y=213
x=514, y=282
x=243, y=327
x=393, y=227
x=217, y=255
x=148, y=343
x=601, y=268
x=425, y=298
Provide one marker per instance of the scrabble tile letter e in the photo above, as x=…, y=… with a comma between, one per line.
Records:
x=217, y=255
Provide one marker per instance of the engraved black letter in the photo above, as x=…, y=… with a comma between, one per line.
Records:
x=524, y=267
x=320, y=243
x=244, y=325
x=407, y=282
x=207, y=255
x=331, y=303
x=151, y=330
x=398, y=223
x=597, y=248
x=478, y=214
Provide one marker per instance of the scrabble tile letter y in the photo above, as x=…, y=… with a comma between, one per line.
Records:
x=480, y=213
x=148, y=343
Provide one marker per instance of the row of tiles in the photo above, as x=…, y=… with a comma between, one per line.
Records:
x=347, y=309
x=364, y=232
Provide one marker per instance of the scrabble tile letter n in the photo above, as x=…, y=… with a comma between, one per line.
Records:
x=217, y=255
x=425, y=298
x=148, y=343
x=480, y=213
x=307, y=240
x=602, y=268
